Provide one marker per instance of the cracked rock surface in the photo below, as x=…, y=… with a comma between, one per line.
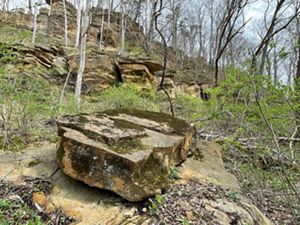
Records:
x=129, y=152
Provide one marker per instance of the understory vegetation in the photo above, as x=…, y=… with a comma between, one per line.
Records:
x=258, y=137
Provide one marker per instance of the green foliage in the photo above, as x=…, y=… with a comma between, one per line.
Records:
x=283, y=54
x=14, y=212
x=184, y=221
x=156, y=202
x=232, y=195
x=13, y=35
x=26, y=102
x=188, y=107
x=235, y=96
x=129, y=96
x=239, y=109
x=159, y=199
x=6, y=54
x=173, y=173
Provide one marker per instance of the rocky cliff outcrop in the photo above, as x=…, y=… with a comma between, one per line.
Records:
x=53, y=25
x=129, y=152
x=103, y=68
x=47, y=62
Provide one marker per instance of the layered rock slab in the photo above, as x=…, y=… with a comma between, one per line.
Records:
x=129, y=152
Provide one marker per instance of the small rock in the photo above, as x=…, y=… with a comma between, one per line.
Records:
x=130, y=213
x=144, y=210
x=190, y=215
x=40, y=199
x=50, y=208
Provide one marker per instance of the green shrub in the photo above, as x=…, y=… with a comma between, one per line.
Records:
x=26, y=104
x=188, y=107
x=128, y=96
x=12, y=212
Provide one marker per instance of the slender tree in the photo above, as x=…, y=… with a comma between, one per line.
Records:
x=156, y=15
x=84, y=27
x=228, y=29
x=30, y=6
x=276, y=25
x=297, y=91
x=78, y=21
x=123, y=27
x=66, y=23
x=101, y=4
x=35, y=22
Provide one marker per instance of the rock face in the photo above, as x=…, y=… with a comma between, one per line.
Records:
x=129, y=152
x=46, y=62
x=99, y=72
x=139, y=71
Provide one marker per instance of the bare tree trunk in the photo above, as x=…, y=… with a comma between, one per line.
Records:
x=297, y=92
x=85, y=25
x=64, y=87
x=274, y=29
x=34, y=23
x=175, y=15
x=110, y=2
x=275, y=66
x=50, y=8
x=156, y=15
x=30, y=6
x=263, y=59
x=211, y=36
x=200, y=32
x=138, y=11
x=228, y=29
x=5, y=5
x=78, y=33
x=101, y=44
x=151, y=26
x=123, y=30
x=66, y=23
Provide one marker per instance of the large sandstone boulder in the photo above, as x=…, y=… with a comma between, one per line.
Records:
x=129, y=152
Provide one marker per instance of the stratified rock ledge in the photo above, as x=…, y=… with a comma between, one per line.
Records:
x=129, y=152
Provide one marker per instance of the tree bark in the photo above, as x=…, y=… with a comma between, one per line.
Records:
x=84, y=27
x=30, y=6
x=34, y=23
x=110, y=2
x=156, y=14
x=78, y=33
x=66, y=23
x=228, y=29
x=123, y=30
x=297, y=91
x=151, y=26
x=50, y=8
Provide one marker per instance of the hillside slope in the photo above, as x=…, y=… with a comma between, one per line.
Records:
x=100, y=73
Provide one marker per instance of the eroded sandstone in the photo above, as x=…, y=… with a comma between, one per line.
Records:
x=129, y=152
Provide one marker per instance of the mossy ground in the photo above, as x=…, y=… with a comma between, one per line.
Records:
x=14, y=35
